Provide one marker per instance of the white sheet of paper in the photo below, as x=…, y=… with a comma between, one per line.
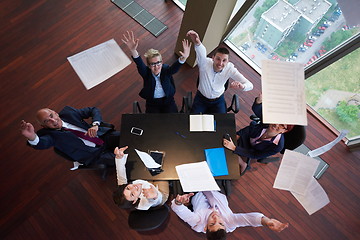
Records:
x=201, y=123
x=327, y=147
x=283, y=92
x=196, y=177
x=296, y=172
x=95, y=65
x=147, y=159
x=314, y=199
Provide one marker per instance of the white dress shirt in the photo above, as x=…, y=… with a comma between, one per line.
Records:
x=198, y=219
x=211, y=83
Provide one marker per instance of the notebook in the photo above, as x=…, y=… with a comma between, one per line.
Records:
x=216, y=159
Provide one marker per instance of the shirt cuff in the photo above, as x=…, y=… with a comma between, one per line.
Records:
x=180, y=61
x=35, y=141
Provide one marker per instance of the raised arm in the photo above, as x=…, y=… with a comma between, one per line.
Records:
x=273, y=224
x=194, y=37
x=27, y=130
x=120, y=161
x=186, y=50
x=131, y=43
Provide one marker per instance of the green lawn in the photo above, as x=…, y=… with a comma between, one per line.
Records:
x=342, y=75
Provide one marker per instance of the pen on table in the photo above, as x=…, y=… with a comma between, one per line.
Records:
x=180, y=135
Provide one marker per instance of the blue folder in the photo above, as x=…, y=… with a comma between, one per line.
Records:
x=215, y=158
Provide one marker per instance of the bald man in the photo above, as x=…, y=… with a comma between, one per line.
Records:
x=70, y=134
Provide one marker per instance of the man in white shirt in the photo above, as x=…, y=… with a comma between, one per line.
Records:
x=213, y=216
x=213, y=75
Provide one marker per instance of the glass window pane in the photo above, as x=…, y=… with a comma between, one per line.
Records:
x=334, y=93
x=295, y=30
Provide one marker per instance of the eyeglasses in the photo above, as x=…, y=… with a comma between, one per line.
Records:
x=158, y=63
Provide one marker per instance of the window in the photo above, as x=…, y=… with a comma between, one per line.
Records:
x=308, y=32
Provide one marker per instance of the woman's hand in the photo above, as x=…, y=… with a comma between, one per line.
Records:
x=131, y=42
x=186, y=50
x=229, y=144
x=119, y=152
x=150, y=193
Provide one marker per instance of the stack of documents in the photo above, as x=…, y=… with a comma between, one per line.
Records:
x=296, y=175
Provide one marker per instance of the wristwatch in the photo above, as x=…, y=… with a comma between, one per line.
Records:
x=96, y=124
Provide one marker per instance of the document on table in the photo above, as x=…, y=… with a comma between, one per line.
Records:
x=283, y=92
x=327, y=147
x=147, y=159
x=195, y=177
x=202, y=123
x=314, y=199
x=96, y=64
x=296, y=172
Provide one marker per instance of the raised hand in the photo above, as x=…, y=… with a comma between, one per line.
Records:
x=27, y=130
x=131, y=42
x=184, y=199
x=276, y=225
x=194, y=37
x=186, y=49
x=119, y=152
x=150, y=193
x=236, y=84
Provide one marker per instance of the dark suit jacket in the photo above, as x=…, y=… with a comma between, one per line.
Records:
x=66, y=141
x=167, y=81
x=261, y=150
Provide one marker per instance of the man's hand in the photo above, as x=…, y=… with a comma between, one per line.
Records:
x=27, y=130
x=119, y=152
x=236, y=84
x=229, y=144
x=194, y=37
x=274, y=224
x=258, y=99
x=186, y=50
x=184, y=199
x=150, y=193
x=131, y=43
x=92, y=132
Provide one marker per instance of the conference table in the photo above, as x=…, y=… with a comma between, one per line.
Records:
x=170, y=133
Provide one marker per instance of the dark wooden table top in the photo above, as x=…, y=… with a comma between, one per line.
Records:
x=170, y=133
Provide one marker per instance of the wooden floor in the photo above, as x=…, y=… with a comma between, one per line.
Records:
x=42, y=199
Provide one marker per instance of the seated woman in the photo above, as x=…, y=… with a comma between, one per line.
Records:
x=258, y=141
x=139, y=194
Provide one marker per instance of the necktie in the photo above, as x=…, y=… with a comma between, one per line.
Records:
x=82, y=135
x=210, y=198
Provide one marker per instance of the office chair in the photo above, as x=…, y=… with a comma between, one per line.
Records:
x=188, y=100
x=293, y=139
x=136, y=107
x=187, y=103
x=102, y=167
x=148, y=220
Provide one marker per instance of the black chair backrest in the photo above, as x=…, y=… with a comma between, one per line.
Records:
x=147, y=220
x=294, y=138
x=136, y=107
